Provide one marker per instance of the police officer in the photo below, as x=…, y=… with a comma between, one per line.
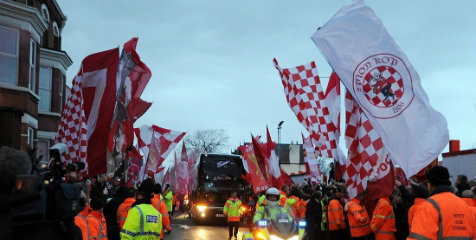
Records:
x=443, y=215
x=143, y=220
x=232, y=211
x=272, y=206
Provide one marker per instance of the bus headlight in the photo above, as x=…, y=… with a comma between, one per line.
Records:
x=302, y=224
x=201, y=208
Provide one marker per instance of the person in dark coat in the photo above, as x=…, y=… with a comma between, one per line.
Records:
x=314, y=216
x=98, y=188
x=110, y=213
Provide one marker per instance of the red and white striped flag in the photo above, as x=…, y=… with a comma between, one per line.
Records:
x=135, y=164
x=304, y=94
x=192, y=169
x=181, y=173
x=384, y=84
x=164, y=141
x=132, y=77
x=310, y=159
x=333, y=103
x=166, y=179
x=86, y=119
x=273, y=161
x=332, y=97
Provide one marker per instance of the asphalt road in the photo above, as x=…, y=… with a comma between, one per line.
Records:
x=184, y=228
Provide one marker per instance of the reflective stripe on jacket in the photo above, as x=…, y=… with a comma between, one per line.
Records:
x=324, y=215
x=83, y=224
x=443, y=216
x=412, y=210
x=265, y=212
x=359, y=221
x=262, y=200
x=143, y=222
x=97, y=225
x=383, y=220
x=159, y=204
x=122, y=211
x=232, y=209
x=335, y=215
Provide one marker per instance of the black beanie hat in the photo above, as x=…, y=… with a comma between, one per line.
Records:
x=157, y=188
x=438, y=175
x=146, y=188
x=420, y=191
x=96, y=204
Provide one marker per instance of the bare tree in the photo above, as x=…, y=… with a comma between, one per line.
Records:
x=206, y=141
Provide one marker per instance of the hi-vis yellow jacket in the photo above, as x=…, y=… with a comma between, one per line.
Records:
x=232, y=209
x=143, y=222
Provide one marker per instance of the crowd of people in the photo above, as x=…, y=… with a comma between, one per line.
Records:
x=107, y=209
x=35, y=206
x=433, y=209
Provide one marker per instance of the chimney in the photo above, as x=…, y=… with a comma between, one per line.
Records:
x=454, y=146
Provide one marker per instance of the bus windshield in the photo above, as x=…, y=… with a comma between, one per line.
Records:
x=220, y=170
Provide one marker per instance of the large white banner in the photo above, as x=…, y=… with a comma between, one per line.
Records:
x=385, y=85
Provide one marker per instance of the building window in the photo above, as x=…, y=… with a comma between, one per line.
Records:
x=30, y=137
x=32, y=82
x=45, y=89
x=56, y=36
x=43, y=147
x=45, y=13
x=56, y=31
x=61, y=80
x=8, y=55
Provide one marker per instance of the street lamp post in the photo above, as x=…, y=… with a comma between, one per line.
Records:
x=279, y=131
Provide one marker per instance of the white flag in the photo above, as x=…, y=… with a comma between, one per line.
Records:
x=385, y=85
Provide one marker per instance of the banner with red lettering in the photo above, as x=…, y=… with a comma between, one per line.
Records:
x=258, y=181
x=381, y=180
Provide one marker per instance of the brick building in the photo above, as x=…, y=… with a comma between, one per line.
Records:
x=32, y=73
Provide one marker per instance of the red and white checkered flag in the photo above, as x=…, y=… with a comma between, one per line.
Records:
x=72, y=128
x=86, y=119
x=163, y=141
x=304, y=94
x=365, y=148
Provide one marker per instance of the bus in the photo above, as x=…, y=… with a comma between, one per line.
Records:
x=218, y=176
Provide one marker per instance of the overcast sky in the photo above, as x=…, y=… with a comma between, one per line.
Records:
x=212, y=67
